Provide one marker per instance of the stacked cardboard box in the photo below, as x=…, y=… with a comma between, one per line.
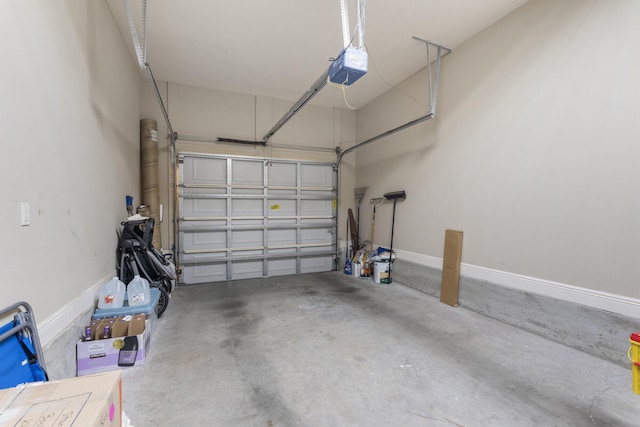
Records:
x=127, y=344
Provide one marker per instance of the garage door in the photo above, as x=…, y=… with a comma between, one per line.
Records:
x=244, y=217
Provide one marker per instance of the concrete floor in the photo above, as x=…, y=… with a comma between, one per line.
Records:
x=331, y=350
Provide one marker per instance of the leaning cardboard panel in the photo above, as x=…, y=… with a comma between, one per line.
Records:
x=451, y=267
x=90, y=401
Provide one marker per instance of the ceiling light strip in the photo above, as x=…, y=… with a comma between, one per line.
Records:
x=139, y=46
x=361, y=4
x=344, y=11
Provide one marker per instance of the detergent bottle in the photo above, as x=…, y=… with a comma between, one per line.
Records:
x=111, y=294
x=348, y=267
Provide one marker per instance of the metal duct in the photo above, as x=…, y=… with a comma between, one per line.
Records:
x=150, y=174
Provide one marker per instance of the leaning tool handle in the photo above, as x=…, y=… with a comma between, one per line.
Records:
x=376, y=201
x=395, y=195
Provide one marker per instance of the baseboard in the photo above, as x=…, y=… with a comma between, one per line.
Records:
x=601, y=300
x=55, y=324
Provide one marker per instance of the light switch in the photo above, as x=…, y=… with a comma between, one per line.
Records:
x=25, y=214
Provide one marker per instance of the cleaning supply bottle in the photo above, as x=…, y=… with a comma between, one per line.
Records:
x=111, y=294
x=138, y=291
x=347, y=267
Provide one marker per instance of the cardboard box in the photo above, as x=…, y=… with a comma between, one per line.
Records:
x=90, y=401
x=451, y=260
x=118, y=352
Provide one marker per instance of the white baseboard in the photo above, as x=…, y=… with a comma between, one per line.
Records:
x=589, y=297
x=55, y=324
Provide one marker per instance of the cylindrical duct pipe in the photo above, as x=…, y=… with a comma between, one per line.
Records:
x=150, y=174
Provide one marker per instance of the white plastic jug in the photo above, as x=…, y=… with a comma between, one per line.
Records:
x=112, y=294
x=138, y=291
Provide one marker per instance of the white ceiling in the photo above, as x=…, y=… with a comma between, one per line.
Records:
x=279, y=48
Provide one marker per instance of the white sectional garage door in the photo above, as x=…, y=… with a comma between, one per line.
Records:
x=244, y=217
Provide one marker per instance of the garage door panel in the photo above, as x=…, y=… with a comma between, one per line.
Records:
x=204, y=273
x=316, y=207
x=199, y=170
x=206, y=240
x=200, y=191
x=246, y=238
x=315, y=236
x=246, y=223
x=247, y=253
x=280, y=252
x=204, y=208
x=246, y=269
x=282, y=222
x=281, y=207
x=247, y=173
x=282, y=237
x=307, y=250
x=274, y=192
x=282, y=174
x=282, y=267
x=329, y=221
x=316, y=176
x=201, y=225
x=247, y=207
x=243, y=191
x=317, y=194
x=203, y=258
x=316, y=264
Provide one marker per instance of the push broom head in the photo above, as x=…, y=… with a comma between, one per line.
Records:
x=359, y=192
x=396, y=195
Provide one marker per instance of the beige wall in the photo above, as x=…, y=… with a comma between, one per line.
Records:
x=533, y=152
x=208, y=113
x=69, y=117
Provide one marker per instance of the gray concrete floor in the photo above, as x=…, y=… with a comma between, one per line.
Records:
x=331, y=350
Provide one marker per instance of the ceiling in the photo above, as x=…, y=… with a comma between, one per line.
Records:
x=279, y=48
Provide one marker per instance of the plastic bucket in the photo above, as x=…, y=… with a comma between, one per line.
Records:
x=381, y=272
x=634, y=356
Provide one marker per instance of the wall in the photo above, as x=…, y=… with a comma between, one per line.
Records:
x=69, y=113
x=533, y=153
x=208, y=113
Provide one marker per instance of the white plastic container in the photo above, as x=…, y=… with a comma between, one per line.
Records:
x=138, y=291
x=357, y=269
x=112, y=294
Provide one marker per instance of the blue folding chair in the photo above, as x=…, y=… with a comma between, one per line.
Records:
x=21, y=357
